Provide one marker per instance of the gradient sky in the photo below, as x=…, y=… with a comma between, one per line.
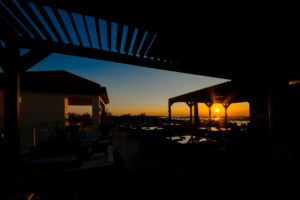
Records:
x=132, y=89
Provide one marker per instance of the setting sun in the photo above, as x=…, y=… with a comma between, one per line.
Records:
x=217, y=110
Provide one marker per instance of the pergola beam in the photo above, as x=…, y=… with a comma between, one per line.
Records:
x=31, y=58
x=21, y=63
x=94, y=53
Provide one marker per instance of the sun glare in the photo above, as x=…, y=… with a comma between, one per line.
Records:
x=217, y=110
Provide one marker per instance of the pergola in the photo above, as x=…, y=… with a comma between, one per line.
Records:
x=225, y=94
x=249, y=43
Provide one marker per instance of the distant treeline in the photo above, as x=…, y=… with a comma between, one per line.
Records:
x=135, y=120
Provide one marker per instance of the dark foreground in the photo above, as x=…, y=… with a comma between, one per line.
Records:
x=146, y=169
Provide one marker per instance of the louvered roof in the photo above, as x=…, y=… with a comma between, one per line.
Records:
x=228, y=41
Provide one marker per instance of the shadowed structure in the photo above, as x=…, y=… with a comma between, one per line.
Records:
x=254, y=44
x=225, y=94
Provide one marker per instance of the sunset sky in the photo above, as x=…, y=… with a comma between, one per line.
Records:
x=131, y=89
x=134, y=89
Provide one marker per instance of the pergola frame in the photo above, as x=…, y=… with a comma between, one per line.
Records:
x=237, y=46
x=225, y=94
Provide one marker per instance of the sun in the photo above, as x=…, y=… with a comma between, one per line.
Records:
x=217, y=110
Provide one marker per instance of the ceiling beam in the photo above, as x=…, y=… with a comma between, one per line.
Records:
x=96, y=54
x=31, y=58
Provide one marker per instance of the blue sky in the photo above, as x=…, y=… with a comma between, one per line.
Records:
x=131, y=89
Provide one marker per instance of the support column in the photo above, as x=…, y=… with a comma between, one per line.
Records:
x=226, y=105
x=209, y=105
x=13, y=65
x=96, y=113
x=190, y=104
x=191, y=112
x=196, y=115
x=278, y=110
x=12, y=112
x=10, y=157
x=268, y=111
x=170, y=114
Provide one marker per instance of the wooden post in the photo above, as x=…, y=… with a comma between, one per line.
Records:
x=190, y=104
x=226, y=105
x=277, y=107
x=170, y=114
x=12, y=161
x=33, y=137
x=96, y=112
x=191, y=112
x=196, y=115
x=12, y=111
x=209, y=105
x=13, y=65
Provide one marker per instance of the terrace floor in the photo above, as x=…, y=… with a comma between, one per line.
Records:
x=144, y=169
x=154, y=172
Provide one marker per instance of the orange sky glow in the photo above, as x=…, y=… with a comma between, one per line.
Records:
x=178, y=109
x=134, y=90
x=234, y=110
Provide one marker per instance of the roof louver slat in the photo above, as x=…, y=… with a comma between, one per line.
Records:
x=114, y=37
x=43, y=21
x=11, y=30
x=63, y=25
x=98, y=33
x=48, y=21
x=55, y=22
x=133, y=41
x=35, y=20
x=87, y=32
x=103, y=34
x=9, y=16
x=21, y=14
x=70, y=28
x=123, y=40
x=145, y=55
x=141, y=44
x=80, y=26
x=92, y=32
x=75, y=28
